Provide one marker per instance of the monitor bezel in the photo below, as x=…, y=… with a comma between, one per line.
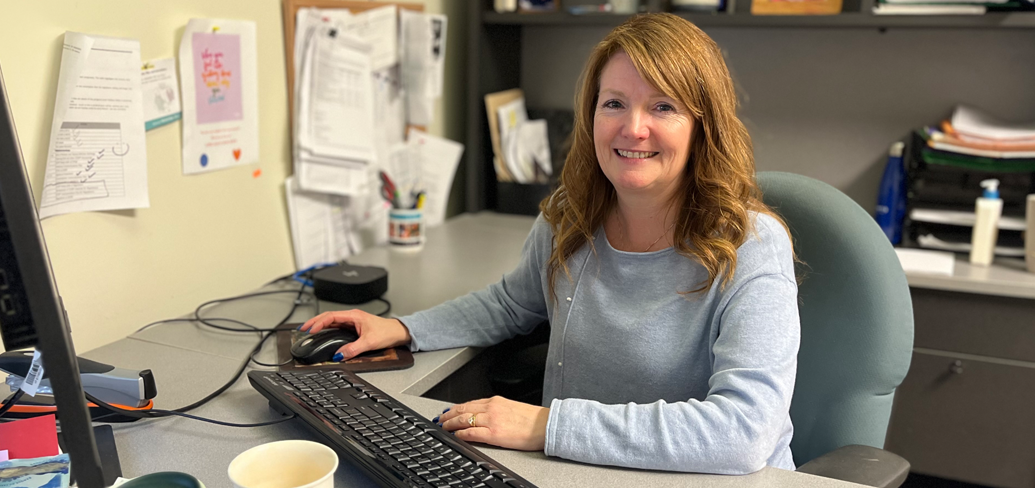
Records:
x=48, y=314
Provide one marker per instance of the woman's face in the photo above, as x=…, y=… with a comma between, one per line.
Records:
x=642, y=137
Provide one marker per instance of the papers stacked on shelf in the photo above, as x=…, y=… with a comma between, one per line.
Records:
x=521, y=147
x=977, y=138
x=946, y=164
x=942, y=7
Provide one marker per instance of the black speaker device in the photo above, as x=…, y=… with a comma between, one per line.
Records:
x=350, y=284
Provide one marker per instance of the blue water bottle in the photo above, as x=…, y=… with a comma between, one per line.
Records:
x=891, y=203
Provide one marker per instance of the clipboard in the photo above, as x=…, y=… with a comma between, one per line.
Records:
x=382, y=360
x=291, y=13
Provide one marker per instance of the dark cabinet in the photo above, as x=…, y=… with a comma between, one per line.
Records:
x=966, y=410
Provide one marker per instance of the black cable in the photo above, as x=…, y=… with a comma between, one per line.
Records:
x=204, y=320
x=300, y=292
x=389, y=309
x=281, y=278
x=247, y=360
x=157, y=413
x=11, y=401
x=251, y=328
x=260, y=363
x=265, y=333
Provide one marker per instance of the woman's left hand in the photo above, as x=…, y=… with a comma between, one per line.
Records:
x=499, y=422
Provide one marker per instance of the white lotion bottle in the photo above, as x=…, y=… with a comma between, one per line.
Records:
x=987, y=211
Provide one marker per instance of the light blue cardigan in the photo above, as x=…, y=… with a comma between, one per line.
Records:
x=638, y=375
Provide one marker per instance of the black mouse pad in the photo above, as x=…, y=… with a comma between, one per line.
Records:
x=381, y=360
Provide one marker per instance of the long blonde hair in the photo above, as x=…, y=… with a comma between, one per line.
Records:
x=717, y=190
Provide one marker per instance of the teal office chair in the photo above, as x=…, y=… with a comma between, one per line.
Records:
x=856, y=332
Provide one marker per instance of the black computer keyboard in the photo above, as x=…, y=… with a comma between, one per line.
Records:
x=391, y=443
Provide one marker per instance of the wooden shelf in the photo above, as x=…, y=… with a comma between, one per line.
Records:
x=1011, y=20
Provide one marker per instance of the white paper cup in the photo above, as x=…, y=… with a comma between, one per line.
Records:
x=406, y=229
x=285, y=464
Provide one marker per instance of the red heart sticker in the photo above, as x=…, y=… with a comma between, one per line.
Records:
x=237, y=154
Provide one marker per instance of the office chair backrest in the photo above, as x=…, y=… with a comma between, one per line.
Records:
x=856, y=317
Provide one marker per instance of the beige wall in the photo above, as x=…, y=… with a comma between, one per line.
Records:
x=204, y=236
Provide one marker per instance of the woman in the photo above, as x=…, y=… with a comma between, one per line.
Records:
x=669, y=286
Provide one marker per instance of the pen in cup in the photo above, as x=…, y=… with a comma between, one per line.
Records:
x=418, y=200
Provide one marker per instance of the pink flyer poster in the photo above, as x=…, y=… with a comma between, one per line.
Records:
x=217, y=77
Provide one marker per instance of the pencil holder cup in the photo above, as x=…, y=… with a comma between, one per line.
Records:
x=406, y=229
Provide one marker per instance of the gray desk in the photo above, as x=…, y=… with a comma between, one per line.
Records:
x=465, y=254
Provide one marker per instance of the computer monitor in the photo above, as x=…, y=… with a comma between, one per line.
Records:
x=31, y=313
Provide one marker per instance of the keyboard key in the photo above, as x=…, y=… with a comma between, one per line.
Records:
x=369, y=412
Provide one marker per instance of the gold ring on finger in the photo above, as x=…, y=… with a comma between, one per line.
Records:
x=471, y=421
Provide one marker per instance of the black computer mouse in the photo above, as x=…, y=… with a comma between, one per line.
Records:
x=321, y=346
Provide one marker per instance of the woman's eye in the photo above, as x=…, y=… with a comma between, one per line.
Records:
x=612, y=104
x=664, y=107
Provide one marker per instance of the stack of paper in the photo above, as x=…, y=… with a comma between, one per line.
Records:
x=521, y=146
x=925, y=9
x=976, y=140
x=940, y=7
x=979, y=134
x=360, y=79
x=334, y=102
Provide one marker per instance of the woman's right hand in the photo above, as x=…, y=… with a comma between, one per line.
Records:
x=374, y=332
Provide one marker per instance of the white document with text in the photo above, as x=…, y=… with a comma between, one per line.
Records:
x=97, y=158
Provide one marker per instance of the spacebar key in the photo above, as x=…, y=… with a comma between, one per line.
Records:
x=384, y=411
x=495, y=483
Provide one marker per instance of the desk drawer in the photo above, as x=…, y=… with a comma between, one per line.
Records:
x=985, y=325
x=973, y=422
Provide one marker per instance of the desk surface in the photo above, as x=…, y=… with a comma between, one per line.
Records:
x=1005, y=277
x=466, y=253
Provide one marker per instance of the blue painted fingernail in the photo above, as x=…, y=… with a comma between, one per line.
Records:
x=338, y=357
x=440, y=425
x=435, y=420
x=446, y=410
x=299, y=327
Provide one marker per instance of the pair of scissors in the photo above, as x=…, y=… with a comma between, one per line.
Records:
x=388, y=190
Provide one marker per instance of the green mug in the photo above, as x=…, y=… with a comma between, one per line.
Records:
x=165, y=479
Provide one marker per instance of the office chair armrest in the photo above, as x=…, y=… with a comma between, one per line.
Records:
x=860, y=464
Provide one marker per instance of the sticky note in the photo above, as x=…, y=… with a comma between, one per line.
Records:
x=3, y=456
x=29, y=438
